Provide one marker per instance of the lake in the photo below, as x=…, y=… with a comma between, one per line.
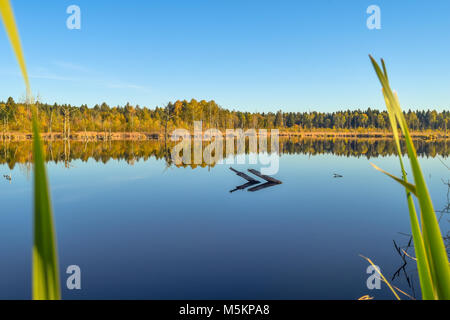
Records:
x=141, y=228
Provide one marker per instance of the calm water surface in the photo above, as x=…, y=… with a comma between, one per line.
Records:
x=141, y=229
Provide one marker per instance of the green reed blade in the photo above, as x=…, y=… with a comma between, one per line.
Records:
x=46, y=284
x=432, y=238
x=408, y=186
x=423, y=266
x=45, y=261
x=13, y=35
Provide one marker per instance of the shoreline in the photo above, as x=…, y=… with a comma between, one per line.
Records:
x=155, y=135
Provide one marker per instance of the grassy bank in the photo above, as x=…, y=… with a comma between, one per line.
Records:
x=100, y=136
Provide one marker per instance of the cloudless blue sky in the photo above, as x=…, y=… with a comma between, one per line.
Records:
x=247, y=55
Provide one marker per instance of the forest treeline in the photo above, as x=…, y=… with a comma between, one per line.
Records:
x=15, y=152
x=16, y=117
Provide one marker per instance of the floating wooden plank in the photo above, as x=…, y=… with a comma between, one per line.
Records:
x=243, y=175
x=262, y=176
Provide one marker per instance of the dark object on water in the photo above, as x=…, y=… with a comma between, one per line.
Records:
x=263, y=186
x=245, y=186
x=250, y=180
x=243, y=175
x=9, y=178
x=337, y=175
x=270, y=181
x=262, y=176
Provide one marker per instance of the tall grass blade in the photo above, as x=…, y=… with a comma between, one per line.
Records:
x=13, y=35
x=434, y=270
x=408, y=186
x=45, y=261
x=46, y=284
x=423, y=264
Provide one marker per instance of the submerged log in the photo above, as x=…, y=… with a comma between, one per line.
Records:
x=244, y=186
x=262, y=176
x=263, y=186
x=243, y=175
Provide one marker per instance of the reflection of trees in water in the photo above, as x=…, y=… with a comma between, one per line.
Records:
x=362, y=147
x=12, y=152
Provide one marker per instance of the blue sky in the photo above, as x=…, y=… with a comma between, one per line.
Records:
x=247, y=55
